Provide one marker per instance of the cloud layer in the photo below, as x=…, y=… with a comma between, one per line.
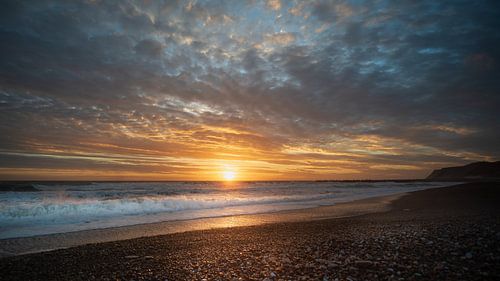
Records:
x=273, y=89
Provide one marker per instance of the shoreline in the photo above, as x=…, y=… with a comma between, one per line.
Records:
x=50, y=242
x=449, y=233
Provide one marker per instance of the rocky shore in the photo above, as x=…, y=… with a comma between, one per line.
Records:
x=448, y=233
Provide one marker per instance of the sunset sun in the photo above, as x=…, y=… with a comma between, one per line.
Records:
x=229, y=175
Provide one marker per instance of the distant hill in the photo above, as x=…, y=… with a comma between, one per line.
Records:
x=16, y=187
x=470, y=172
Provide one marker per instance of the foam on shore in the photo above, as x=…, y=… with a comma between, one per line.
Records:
x=63, y=208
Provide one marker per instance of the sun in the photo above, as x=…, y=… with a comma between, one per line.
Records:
x=229, y=175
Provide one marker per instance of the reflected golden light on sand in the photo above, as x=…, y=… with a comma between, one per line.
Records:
x=233, y=221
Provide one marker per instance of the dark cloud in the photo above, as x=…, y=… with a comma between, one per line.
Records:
x=404, y=86
x=150, y=48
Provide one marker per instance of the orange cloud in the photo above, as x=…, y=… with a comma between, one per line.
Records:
x=274, y=4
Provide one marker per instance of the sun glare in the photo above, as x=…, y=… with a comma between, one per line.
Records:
x=229, y=175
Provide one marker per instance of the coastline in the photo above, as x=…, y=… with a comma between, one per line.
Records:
x=50, y=242
x=449, y=233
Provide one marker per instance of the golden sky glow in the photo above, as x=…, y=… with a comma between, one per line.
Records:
x=245, y=90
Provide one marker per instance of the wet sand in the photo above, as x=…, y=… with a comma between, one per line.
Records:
x=450, y=233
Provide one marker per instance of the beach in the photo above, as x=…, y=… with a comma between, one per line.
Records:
x=60, y=215
x=449, y=233
x=264, y=140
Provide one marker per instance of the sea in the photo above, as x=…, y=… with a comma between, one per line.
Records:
x=67, y=207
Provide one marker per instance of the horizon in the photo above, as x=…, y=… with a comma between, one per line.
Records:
x=215, y=181
x=246, y=91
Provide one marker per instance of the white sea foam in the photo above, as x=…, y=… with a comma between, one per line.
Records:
x=63, y=208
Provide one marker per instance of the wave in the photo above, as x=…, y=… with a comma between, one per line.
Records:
x=71, y=209
x=62, y=208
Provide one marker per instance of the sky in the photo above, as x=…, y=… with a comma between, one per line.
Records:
x=265, y=90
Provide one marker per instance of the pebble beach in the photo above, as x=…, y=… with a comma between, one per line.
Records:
x=450, y=233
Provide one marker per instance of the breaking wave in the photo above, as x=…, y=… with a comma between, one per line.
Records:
x=62, y=208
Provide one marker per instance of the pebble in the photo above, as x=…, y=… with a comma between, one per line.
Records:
x=384, y=247
x=363, y=263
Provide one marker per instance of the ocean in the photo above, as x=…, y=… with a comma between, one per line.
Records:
x=60, y=208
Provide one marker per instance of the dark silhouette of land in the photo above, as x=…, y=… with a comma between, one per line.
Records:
x=478, y=171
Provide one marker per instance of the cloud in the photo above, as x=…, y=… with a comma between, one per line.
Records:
x=400, y=87
x=297, y=10
x=149, y=48
x=280, y=38
x=274, y=4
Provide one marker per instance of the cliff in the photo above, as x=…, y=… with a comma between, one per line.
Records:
x=473, y=171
